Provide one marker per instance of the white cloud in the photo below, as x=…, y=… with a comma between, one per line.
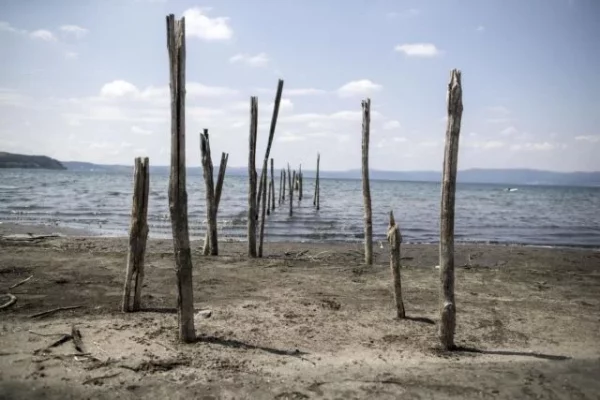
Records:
x=6, y=27
x=198, y=24
x=44, y=35
x=588, y=138
x=486, y=145
x=304, y=92
x=118, y=88
x=74, y=30
x=541, y=146
x=288, y=136
x=123, y=89
x=480, y=28
x=393, y=124
x=140, y=131
x=195, y=89
x=284, y=105
x=362, y=87
x=9, y=97
x=259, y=60
x=418, y=49
x=511, y=130
x=71, y=55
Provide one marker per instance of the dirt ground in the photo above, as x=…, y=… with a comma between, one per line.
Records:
x=307, y=321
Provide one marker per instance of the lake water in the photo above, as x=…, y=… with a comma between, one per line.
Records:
x=100, y=202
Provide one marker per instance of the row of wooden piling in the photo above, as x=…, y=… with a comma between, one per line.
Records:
x=262, y=198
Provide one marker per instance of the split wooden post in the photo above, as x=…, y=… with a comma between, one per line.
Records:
x=264, y=171
x=177, y=186
x=316, y=197
x=218, y=191
x=211, y=207
x=291, y=189
x=138, y=235
x=366, y=113
x=395, y=240
x=272, y=185
x=448, y=306
x=252, y=178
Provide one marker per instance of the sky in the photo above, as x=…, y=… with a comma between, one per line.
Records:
x=87, y=80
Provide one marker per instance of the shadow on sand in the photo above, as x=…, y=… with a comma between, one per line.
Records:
x=513, y=353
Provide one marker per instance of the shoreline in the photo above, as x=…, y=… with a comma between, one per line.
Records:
x=8, y=229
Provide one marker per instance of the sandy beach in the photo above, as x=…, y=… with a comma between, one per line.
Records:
x=307, y=321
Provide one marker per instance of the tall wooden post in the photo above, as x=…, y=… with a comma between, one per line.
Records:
x=272, y=185
x=284, y=183
x=280, y=185
x=269, y=197
x=252, y=178
x=366, y=111
x=448, y=306
x=300, y=183
x=138, y=235
x=218, y=191
x=395, y=240
x=316, y=197
x=211, y=206
x=291, y=189
x=177, y=187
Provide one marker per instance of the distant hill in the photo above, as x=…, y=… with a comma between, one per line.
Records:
x=492, y=176
x=10, y=160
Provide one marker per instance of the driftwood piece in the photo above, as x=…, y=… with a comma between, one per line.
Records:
x=211, y=206
x=54, y=310
x=218, y=191
x=138, y=236
x=20, y=282
x=177, y=184
x=366, y=186
x=252, y=178
x=291, y=189
x=77, y=339
x=448, y=306
x=12, y=299
x=272, y=185
x=395, y=240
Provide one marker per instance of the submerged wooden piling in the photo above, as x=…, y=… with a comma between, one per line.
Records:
x=218, y=190
x=211, y=207
x=252, y=178
x=291, y=189
x=316, y=196
x=272, y=185
x=138, y=236
x=395, y=240
x=368, y=216
x=448, y=306
x=177, y=186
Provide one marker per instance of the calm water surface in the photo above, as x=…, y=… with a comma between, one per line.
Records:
x=101, y=202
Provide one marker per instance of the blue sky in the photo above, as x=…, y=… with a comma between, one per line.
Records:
x=87, y=80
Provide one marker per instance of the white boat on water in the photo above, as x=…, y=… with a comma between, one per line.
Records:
x=511, y=189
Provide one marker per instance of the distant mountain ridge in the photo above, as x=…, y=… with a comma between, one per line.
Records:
x=11, y=160
x=475, y=175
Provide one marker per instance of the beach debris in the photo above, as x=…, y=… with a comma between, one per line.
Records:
x=21, y=282
x=138, y=236
x=366, y=187
x=12, y=299
x=100, y=378
x=77, y=339
x=203, y=314
x=54, y=310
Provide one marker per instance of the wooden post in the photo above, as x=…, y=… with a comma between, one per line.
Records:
x=218, y=191
x=252, y=178
x=272, y=185
x=269, y=198
x=280, y=185
x=448, y=306
x=138, y=235
x=284, y=183
x=211, y=207
x=300, y=183
x=262, y=216
x=291, y=189
x=395, y=239
x=263, y=175
x=316, y=197
x=177, y=187
x=366, y=109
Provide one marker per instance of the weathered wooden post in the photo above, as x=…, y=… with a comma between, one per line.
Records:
x=300, y=183
x=366, y=109
x=448, y=306
x=291, y=189
x=177, y=188
x=316, y=197
x=269, y=198
x=218, y=191
x=211, y=207
x=284, y=183
x=272, y=185
x=252, y=178
x=280, y=185
x=395, y=240
x=138, y=235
